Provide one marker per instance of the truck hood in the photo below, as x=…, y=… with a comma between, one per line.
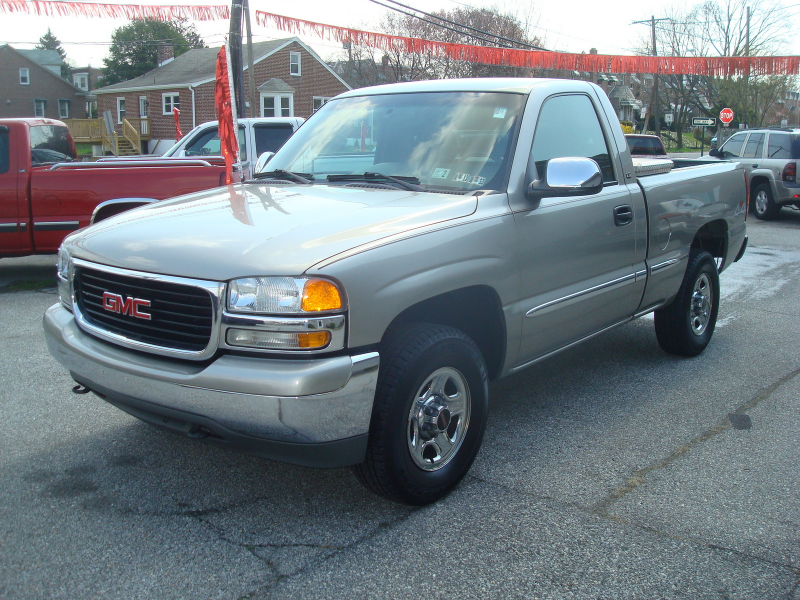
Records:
x=252, y=229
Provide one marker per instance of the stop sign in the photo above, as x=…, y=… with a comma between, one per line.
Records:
x=726, y=115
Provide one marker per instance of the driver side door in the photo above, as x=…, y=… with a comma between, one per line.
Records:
x=576, y=253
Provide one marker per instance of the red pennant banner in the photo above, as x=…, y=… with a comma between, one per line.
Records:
x=226, y=113
x=54, y=8
x=719, y=66
x=176, y=113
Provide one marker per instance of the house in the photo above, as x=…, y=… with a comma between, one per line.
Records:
x=87, y=79
x=31, y=86
x=290, y=80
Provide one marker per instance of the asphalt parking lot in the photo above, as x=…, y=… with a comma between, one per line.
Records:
x=611, y=471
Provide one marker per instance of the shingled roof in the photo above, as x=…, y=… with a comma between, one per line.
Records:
x=190, y=68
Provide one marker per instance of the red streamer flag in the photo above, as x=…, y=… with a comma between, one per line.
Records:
x=226, y=112
x=717, y=66
x=55, y=8
x=176, y=113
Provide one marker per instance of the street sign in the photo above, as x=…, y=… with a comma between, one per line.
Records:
x=726, y=115
x=668, y=118
x=703, y=122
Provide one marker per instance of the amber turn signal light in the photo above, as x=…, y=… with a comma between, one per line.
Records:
x=319, y=294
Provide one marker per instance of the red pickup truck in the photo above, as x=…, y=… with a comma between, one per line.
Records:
x=45, y=194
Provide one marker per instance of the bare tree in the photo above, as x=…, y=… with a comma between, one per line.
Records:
x=399, y=65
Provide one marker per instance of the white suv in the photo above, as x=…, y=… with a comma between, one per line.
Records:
x=770, y=158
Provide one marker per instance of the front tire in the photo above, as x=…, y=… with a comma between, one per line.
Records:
x=429, y=414
x=764, y=205
x=685, y=327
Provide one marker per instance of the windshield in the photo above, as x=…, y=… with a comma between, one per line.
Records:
x=450, y=141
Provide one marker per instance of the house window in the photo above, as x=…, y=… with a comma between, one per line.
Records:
x=63, y=109
x=277, y=105
x=81, y=81
x=39, y=107
x=170, y=100
x=120, y=109
x=24, y=77
x=319, y=101
x=294, y=63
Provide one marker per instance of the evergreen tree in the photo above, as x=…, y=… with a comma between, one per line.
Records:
x=134, y=46
x=50, y=42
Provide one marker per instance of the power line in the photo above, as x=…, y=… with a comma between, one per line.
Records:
x=505, y=39
x=438, y=24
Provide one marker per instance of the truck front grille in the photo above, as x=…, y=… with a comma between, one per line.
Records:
x=181, y=316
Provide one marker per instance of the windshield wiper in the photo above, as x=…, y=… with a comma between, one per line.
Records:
x=408, y=183
x=304, y=178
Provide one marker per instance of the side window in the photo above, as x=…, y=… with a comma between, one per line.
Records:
x=271, y=137
x=779, y=146
x=207, y=144
x=51, y=144
x=754, y=147
x=5, y=155
x=733, y=147
x=294, y=63
x=568, y=126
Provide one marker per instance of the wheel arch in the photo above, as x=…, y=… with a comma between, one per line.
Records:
x=474, y=310
x=757, y=180
x=713, y=238
x=109, y=208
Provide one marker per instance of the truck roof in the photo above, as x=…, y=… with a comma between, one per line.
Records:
x=32, y=121
x=518, y=85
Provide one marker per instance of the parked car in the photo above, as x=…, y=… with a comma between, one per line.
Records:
x=408, y=244
x=264, y=134
x=45, y=194
x=770, y=157
x=645, y=145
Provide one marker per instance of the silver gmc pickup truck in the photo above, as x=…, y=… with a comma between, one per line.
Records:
x=410, y=243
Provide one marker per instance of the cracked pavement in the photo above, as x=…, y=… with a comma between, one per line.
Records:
x=611, y=471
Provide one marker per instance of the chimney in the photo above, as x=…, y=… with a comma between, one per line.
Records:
x=164, y=53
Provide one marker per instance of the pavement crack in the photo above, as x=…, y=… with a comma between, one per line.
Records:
x=639, y=477
x=263, y=591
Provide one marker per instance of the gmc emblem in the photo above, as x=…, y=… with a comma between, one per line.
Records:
x=126, y=306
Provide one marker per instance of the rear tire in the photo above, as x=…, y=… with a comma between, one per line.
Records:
x=429, y=414
x=764, y=205
x=685, y=327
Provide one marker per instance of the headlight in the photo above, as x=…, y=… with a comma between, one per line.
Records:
x=283, y=295
x=64, y=277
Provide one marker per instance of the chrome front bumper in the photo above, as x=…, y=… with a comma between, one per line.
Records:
x=310, y=411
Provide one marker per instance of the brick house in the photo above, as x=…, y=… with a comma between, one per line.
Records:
x=31, y=86
x=290, y=80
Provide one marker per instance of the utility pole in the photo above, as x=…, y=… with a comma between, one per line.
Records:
x=252, y=76
x=654, y=97
x=235, y=44
x=747, y=53
x=655, y=76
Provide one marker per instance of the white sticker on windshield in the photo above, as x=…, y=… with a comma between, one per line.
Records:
x=440, y=173
x=500, y=112
x=471, y=179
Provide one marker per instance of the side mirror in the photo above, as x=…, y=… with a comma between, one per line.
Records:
x=714, y=152
x=564, y=177
x=261, y=163
x=181, y=153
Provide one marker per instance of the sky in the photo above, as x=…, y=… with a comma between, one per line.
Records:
x=567, y=25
